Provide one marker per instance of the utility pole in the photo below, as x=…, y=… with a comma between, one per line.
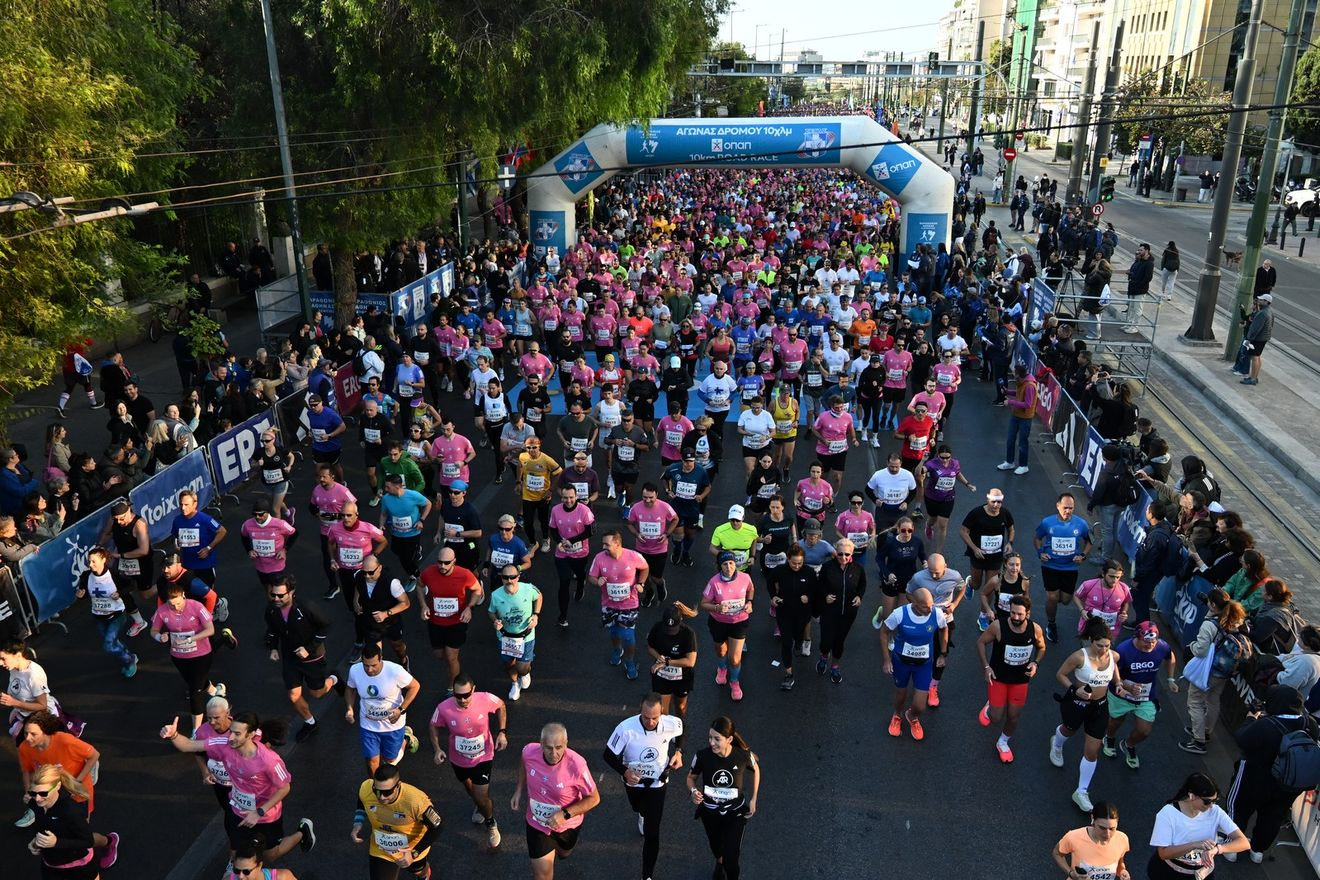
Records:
x=944, y=110
x=974, y=119
x=1101, y=145
x=1268, y=159
x=1207, y=291
x=286, y=162
x=1083, y=123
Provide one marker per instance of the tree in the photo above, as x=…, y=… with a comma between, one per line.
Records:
x=1146, y=95
x=1303, y=123
x=88, y=85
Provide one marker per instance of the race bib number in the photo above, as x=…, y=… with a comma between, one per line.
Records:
x=401, y=523
x=859, y=539
x=792, y=366
x=894, y=495
x=837, y=446
x=495, y=410
x=318, y=435
x=512, y=646
x=1109, y=617
x=536, y=482
x=674, y=438
x=774, y=560
x=500, y=558
x=573, y=547
x=581, y=489
x=894, y=375
x=945, y=484
x=372, y=435
x=626, y=453
x=670, y=673
x=719, y=794
x=748, y=393
x=550, y=324
x=350, y=555
x=784, y=426
x=649, y=529
x=1004, y=601
x=446, y=606
x=449, y=469
x=390, y=841
x=103, y=605
x=768, y=490
x=470, y=746
x=917, y=444
x=732, y=606
x=944, y=379
x=992, y=543
x=740, y=557
x=618, y=592
x=815, y=380
x=190, y=537
x=1137, y=691
x=218, y=771
x=264, y=546
x=686, y=491
x=915, y=652
x=272, y=477
x=1063, y=546
x=1017, y=655
x=130, y=566
x=812, y=503
x=542, y=812
x=242, y=801
x=578, y=444
x=183, y=642
x=422, y=357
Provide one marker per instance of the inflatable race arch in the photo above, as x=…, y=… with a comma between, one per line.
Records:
x=923, y=188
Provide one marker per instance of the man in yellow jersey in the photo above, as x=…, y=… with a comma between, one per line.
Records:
x=735, y=536
x=536, y=470
x=784, y=410
x=403, y=825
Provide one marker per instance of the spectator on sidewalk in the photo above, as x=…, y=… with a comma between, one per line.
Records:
x=1169, y=261
x=1140, y=274
x=1259, y=333
x=1207, y=182
x=17, y=482
x=1266, y=278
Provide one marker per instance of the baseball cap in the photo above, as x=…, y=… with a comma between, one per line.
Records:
x=672, y=617
x=313, y=398
x=1265, y=297
x=689, y=454
x=737, y=512
x=1147, y=631
x=726, y=556
x=812, y=526
x=458, y=486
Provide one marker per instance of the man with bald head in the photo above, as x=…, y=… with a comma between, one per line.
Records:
x=920, y=636
x=560, y=791
x=947, y=589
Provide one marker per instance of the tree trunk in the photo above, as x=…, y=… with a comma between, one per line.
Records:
x=346, y=291
x=485, y=210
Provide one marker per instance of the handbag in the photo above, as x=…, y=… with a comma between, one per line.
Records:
x=50, y=472
x=1106, y=296
x=1197, y=670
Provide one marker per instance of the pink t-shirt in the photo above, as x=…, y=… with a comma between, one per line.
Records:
x=934, y=403
x=832, y=432
x=571, y=525
x=947, y=377
x=730, y=595
x=470, y=741
x=793, y=355
x=620, y=589
x=253, y=780
x=897, y=366
x=535, y=364
x=354, y=545
x=1103, y=602
x=574, y=321
x=267, y=541
x=551, y=787
x=183, y=627
x=444, y=340
x=856, y=526
x=452, y=453
x=671, y=432
x=815, y=497
x=330, y=502
x=652, y=524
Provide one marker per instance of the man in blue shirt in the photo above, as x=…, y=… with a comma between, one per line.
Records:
x=1062, y=542
x=402, y=513
x=327, y=427
x=196, y=534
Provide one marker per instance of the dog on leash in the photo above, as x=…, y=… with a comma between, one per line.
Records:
x=1232, y=258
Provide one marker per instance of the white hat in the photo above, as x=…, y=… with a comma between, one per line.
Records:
x=737, y=512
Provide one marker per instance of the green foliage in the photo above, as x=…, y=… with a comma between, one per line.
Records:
x=88, y=85
x=1146, y=95
x=1303, y=123
x=203, y=336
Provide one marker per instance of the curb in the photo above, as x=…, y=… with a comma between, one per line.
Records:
x=1285, y=459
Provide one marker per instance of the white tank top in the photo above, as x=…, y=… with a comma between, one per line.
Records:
x=1097, y=678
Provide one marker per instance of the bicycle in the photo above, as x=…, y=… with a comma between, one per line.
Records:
x=166, y=317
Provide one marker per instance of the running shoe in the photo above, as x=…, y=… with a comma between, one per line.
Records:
x=836, y=675
x=331, y=593
x=933, y=696
x=1056, y=753
x=1082, y=800
x=1107, y=746
x=983, y=621
x=410, y=585
x=339, y=687
x=806, y=648
x=721, y=675
x=525, y=681
x=914, y=727
x=1005, y=753
x=221, y=610
x=477, y=818
x=687, y=560
x=98, y=405
x=1006, y=466
x=515, y=691
x=616, y=657
x=1256, y=857
x=984, y=715
x=630, y=670
x=1021, y=470
x=735, y=691
x=788, y=682
x=131, y=669
x=1130, y=754
x=674, y=555
x=25, y=820
x=308, y=835
x=896, y=726
x=493, y=836
x=701, y=520
x=930, y=531
x=877, y=621
x=821, y=665
x=563, y=622
x=136, y=628
x=111, y=853
x=221, y=690
x=641, y=825
x=1229, y=857
x=413, y=742
x=1195, y=746
x=228, y=639
x=545, y=546
x=1051, y=633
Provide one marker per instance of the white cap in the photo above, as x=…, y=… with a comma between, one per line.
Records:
x=737, y=512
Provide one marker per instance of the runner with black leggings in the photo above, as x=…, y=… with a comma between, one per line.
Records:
x=724, y=780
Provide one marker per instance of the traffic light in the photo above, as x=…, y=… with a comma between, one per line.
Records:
x=1106, y=189
x=932, y=61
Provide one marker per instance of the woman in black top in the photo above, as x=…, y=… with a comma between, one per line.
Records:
x=672, y=645
x=63, y=837
x=724, y=780
x=123, y=431
x=766, y=481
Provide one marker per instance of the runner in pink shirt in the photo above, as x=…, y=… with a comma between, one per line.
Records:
x=935, y=401
x=536, y=364
x=259, y=783
x=671, y=430
x=833, y=429
x=727, y=598
x=652, y=522
x=793, y=356
x=948, y=377
x=620, y=574
x=897, y=365
x=857, y=525
x=328, y=499
x=470, y=747
x=350, y=542
x=560, y=792
x=570, y=530
x=1105, y=597
x=573, y=320
x=454, y=452
x=267, y=540
x=812, y=496
x=186, y=626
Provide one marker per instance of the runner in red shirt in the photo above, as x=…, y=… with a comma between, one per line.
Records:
x=916, y=432
x=448, y=594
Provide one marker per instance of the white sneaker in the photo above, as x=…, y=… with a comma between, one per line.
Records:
x=1082, y=800
x=875, y=442
x=25, y=820
x=515, y=691
x=806, y=647
x=641, y=825
x=1256, y=858
x=493, y=838
x=866, y=436
x=545, y=545
x=477, y=818
x=525, y=681
x=1021, y=470
x=1006, y=466
x=1056, y=753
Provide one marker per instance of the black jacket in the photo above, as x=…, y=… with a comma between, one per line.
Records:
x=791, y=586
x=73, y=834
x=846, y=582
x=305, y=628
x=1148, y=567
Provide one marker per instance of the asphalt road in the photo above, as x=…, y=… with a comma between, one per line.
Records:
x=839, y=795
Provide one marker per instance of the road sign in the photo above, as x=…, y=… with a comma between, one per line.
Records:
x=1020, y=136
x=1097, y=209
x=1104, y=162
x=507, y=176
x=1010, y=154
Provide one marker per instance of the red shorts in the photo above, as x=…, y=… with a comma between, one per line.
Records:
x=1001, y=693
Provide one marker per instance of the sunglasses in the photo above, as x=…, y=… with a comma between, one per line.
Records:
x=444, y=562
x=857, y=503
x=373, y=573
x=845, y=556
x=40, y=794
x=385, y=793
x=905, y=531
x=277, y=595
x=506, y=528
x=349, y=515
x=508, y=577
x=243, y=872
x=457, y=491
x=467, y=696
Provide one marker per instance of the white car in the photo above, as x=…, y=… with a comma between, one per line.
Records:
x=1306, y=200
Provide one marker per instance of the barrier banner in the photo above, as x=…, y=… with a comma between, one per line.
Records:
x=292, y=413
x=157, y=500
x=13, y=616
x=1041, y=302
x=1132, y=524
x=231, y=452
x=51, y=572
x=1088, y=462
x=1048, y=392
x=1190, y=608
x=348, y=390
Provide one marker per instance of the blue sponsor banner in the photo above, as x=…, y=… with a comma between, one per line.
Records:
x=722, y=142
x=928, y=229
x=157, y=500
x=53, y=570
x=1089, y=462
x=577, y=168
x=1042, y=302
x=324, y=301
x=231, y=452
x=893, y=168
x=1190, y=608
x=548, y=231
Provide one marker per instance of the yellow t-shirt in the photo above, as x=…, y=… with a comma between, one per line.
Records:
x=397, y=826
x=535, y=476
x=786, y=418
x=738, y=541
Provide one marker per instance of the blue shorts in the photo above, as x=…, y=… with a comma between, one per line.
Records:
x=528, y=653
x=906, y=674
x=384, y=744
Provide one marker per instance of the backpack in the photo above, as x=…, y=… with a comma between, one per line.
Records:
x=1126, y=491
x=1297, y=764
x=359, y=363
x=1288, y=627
x=1231, y=650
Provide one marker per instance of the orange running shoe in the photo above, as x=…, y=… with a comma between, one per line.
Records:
x=915, y=726
x=933, y=698
x=895, y=725
x=1005, y=753
x=984, y=715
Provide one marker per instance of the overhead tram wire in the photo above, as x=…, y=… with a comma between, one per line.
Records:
x=732, y=162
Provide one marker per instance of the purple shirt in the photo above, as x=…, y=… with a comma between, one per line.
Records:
x=941, y=478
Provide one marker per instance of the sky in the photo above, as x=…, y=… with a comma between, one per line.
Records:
x=840, y=30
